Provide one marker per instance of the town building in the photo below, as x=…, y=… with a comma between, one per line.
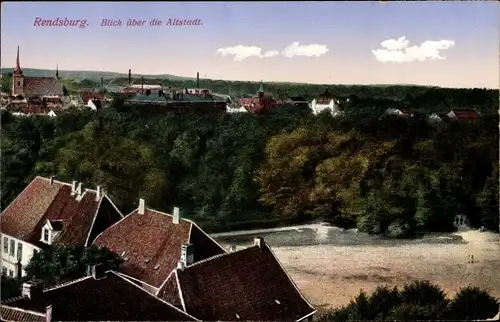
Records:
x=34, y=86
x=326, y=101
x=260, y=103
x=179, y=101
x=101, y=296
x=34, y=95
x=246, y=285
x=150, y=244
x=399, y=112
x=463, y=115
x=50, y=212
x=298, y=100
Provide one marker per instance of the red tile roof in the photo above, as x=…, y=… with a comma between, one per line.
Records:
x=112, y=298
x=324, y=98
x=464, y=114
x=249, y=283
x=86, y=96
x=42, y=200
x=9, y=314
x=39, y=86
x=151, y=243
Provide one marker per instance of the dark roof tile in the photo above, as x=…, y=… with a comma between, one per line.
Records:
x=112, y=298
x=250, y=283
x=151, y=243
x=39, y=86
x=42, y=200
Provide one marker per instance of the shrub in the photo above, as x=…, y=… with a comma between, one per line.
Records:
x=472, y=303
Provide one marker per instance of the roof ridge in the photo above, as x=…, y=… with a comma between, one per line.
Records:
x=12, y=299
x=218, y=256
x=67, y=283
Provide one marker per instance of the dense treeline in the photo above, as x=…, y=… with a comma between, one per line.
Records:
x=383, y=175
x=419, y=300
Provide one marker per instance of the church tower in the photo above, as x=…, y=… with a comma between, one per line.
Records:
x=260, y=94
x=17, y=78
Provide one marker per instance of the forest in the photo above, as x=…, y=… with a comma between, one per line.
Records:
x=384, y=175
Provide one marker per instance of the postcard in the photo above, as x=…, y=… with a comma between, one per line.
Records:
x=249, y=161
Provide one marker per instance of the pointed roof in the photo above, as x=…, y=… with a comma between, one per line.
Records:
x=18, y=71
x=249, y=284
x=45, y=199
x=151, y=243
x=261, y=89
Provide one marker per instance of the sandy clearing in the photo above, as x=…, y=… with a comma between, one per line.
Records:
x=331, y=275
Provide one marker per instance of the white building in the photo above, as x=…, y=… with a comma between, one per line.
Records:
x=50, y=212
x=326, y=101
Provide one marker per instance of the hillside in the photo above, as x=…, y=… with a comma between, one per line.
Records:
x=88, y=74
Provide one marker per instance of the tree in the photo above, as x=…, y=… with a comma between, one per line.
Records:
x=419, y=300
x=472, y=303
x=60, y=263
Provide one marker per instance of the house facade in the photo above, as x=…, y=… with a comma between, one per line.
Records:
x=399, y=112
x=326, y=101
x=50, y=212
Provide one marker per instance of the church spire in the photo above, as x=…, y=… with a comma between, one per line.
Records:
x=18, y=70
x=261, y=89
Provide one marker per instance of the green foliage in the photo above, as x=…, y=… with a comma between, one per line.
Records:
x=419, y=300
x=388, y=175
x=61, y=263
x=471, y=303
x=11, y=287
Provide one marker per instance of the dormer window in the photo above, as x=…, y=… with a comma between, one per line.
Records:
x=46, y=235
x=50, y=230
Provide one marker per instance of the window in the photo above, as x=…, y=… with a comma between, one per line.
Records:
x=4, y=271
x=18, y=83
x=19, y=251
x=45, y=237
x=11, y=273
x=12, y=247
x=5, y=245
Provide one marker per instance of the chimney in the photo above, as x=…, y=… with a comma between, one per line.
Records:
x=98, y=271
x=73, y=187
x=258, y=241
x=48, y=313
x=142, y=207
x=180, y=265
x=232, y=248
x=129, y=77
x=187, y=254
x=32, y=290
x=98, y=193
x=176, y=218
x=197, y=80
x=79, y=188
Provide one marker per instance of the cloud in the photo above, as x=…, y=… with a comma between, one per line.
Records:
x=242, y=52
x=313, y=50
x=399, y=51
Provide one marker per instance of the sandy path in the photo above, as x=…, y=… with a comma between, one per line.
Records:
x=331, y=275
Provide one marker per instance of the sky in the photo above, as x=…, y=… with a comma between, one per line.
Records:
x=445, y=43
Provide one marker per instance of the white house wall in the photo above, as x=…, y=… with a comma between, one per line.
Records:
x=318, y=108
x=9, y=261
